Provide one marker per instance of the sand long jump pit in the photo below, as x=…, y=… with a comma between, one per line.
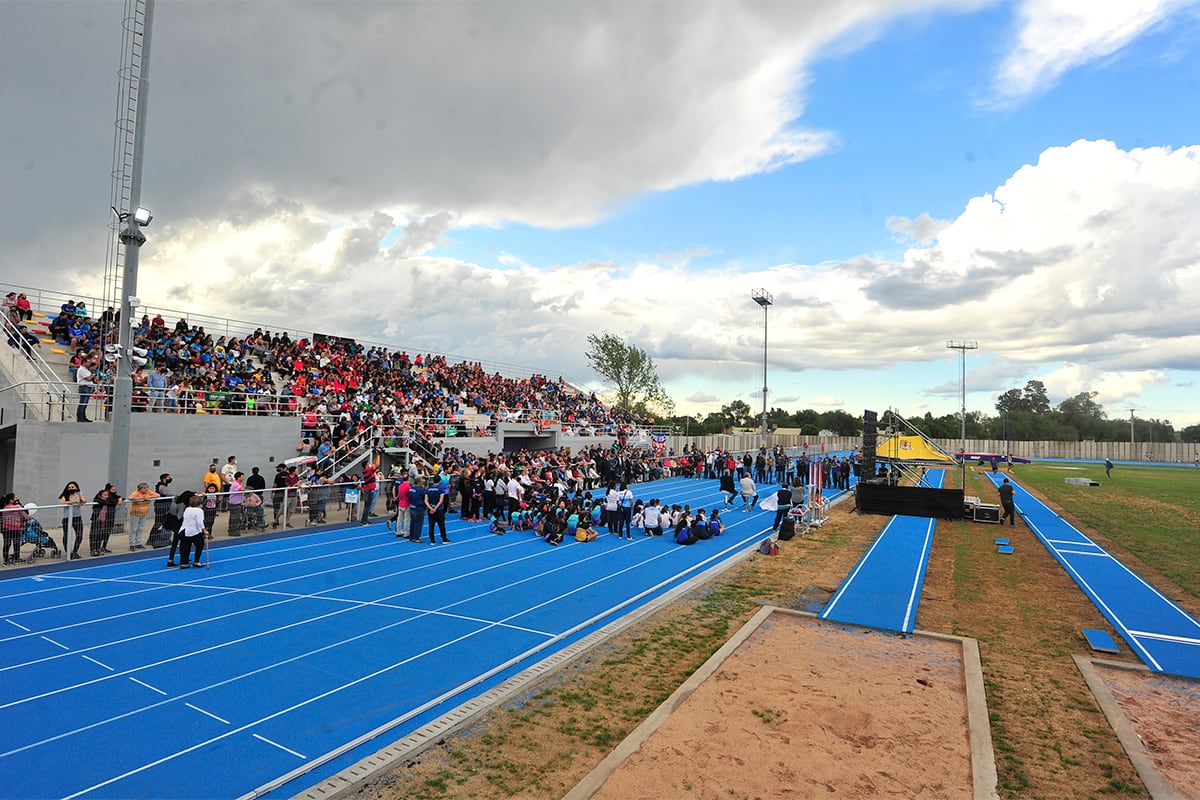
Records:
x=795, y=707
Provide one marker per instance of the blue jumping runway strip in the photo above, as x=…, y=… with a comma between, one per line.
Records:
x=1161, y=633
x=126, y=679
x=884, y=588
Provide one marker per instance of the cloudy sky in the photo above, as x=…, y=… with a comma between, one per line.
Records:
x=498, y=179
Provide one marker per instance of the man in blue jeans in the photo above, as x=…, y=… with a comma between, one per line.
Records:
x=370, y=489
x=84, y=380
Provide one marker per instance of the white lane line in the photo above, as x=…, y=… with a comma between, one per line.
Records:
x=350, y=604
x=59, y=644
x=98, y=663
x=1166, y=637
x=148, y=686
x=207, y=713
x=861, y=563
x=281, y=747
x=916, y=587
x=1089, y=553
x=19, y=625
x=697, y=567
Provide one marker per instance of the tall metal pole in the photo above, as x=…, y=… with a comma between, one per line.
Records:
x=962, y=348
x=764, y=299
x=132, y=237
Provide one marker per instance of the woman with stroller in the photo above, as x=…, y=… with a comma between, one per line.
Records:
x=72, y=501
x=14, y=516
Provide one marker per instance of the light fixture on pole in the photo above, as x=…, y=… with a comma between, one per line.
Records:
x=962, y=348
x=764, y=299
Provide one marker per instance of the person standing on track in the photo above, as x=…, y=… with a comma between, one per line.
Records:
x=192, y=533
x=402, y=517
x=749, y=492
x=1006, y=500
x=416, y=508
x=624, y=511
x=435, y=507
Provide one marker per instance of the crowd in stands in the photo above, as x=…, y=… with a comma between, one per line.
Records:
x=335, y=382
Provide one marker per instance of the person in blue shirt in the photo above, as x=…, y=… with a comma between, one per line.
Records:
x=416, y=509
x=435, y=508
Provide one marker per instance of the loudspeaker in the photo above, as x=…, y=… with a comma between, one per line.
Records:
x=870, y=440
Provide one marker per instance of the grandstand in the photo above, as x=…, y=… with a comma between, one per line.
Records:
x=236, y=388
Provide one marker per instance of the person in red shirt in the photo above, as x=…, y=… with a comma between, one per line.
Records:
x=401, y=517
x=370, y=489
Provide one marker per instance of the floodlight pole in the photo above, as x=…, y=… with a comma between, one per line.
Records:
x=764, y=299
x=131, y=236
x=962, y=348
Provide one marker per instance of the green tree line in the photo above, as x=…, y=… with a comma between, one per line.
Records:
x=1021, y=415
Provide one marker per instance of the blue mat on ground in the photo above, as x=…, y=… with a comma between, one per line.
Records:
x=884, y=588
x=124, y=679
x=1162, y=634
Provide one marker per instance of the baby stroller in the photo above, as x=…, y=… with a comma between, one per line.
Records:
x=32, y=533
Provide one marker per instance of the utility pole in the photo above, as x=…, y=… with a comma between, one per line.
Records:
x=764, y=299
x=962, y=348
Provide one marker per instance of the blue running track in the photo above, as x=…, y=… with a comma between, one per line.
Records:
x=884, y=588
x=1161, y=633
x=125, y=679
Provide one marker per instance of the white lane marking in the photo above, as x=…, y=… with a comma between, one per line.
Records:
x=19, y=625
x=148, y=686
x=281, y=747
x=916, y=587
x=99, y=663
x=207, y=713
x=59, y=644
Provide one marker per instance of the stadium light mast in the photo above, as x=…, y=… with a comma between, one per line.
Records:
x=962, y=348
x=131, y=219
x=764, y=299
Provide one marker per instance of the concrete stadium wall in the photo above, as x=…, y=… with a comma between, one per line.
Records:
x=47, y=455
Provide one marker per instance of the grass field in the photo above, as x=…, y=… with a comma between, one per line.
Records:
x=1050, y=738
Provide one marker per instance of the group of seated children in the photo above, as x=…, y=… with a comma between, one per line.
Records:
x=580, y=517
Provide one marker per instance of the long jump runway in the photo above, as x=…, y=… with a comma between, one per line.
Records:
x=1161, y=633
x=130, y=680
x=884, y=588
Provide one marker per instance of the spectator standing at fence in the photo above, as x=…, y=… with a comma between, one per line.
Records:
x=370, y=488
x=139, y=508
x=84, y=381
x=156, y=383
x=237, y=504
x=14, y=516
x=72, y=501
x=227, y=473
x=104, y=514
x=211, y=504
x=256, y=485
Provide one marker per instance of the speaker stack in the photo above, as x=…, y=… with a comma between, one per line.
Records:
x=870, y=441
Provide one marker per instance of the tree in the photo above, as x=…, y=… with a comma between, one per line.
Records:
x=737, y=413
x=629, y=370
x=1032, y=398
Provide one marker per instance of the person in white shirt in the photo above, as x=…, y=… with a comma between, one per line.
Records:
x=515, y=492
x=749, y=492
x=192, y=531
x=84, y=381
x=651, y=518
